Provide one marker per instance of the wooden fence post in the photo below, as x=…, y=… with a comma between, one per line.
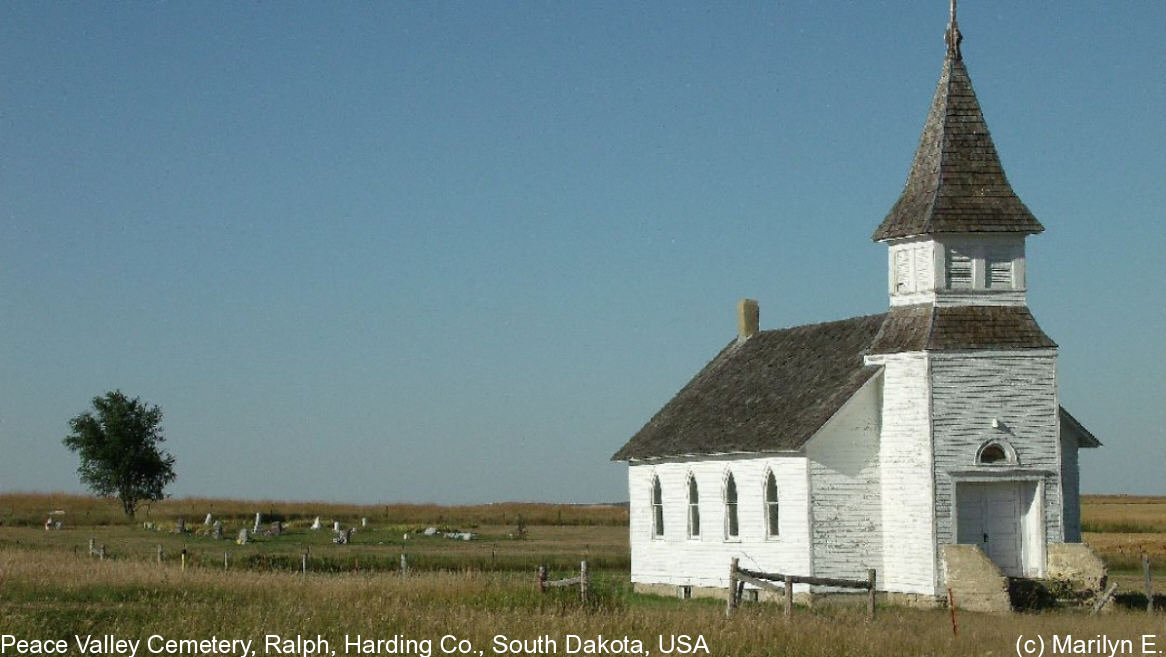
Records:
x=583, y=581
x=404, y=564
x=304, y=563
x=101, y=552
x=870, y=600
x=184, y=560
x=542, y=579
x=732, y=604
x=1149, y=584
x=160, y=557
x=224, y=561
x=789, y=597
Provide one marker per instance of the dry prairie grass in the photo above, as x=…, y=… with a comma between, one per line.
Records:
x=1123, y=514
x=1124, y=551
x=44, y=595
x=31, y=509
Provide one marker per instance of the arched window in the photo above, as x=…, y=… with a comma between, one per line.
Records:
x=731, y=527
x=993, y=454
x=657, y=508
x=771, y=508
x=693, y=508
x=996, y=452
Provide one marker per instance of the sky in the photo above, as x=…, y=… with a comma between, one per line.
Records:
x=460, y=252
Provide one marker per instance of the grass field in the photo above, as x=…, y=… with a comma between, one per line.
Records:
x=51, y=589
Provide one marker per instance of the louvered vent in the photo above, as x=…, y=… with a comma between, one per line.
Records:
x=959, y=270
x=999, y=269
x=903, y=282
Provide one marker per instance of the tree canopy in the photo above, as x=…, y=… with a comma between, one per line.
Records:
x=118, y=445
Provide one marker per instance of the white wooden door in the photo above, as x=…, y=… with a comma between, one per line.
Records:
x=989, y=515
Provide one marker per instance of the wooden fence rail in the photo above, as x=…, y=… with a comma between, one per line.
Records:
x=583, y=580
x=739, y=577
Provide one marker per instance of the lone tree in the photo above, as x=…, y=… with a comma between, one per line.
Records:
x=118, y=444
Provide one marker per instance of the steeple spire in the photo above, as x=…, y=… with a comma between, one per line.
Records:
x=956, y=183
x=953, y=36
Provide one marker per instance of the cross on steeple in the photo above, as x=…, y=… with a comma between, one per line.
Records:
x=953, y=36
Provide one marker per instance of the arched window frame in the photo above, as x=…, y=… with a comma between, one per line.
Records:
x=693, y=491
x=772, y=509
x=656, y=505
x=731, y=497
x=1010, y=458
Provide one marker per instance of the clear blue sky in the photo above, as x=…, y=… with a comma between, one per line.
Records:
x=460, y=252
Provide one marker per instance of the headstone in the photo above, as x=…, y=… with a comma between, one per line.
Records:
x=180, y=527
x=364, y=522
x=276, y=528
x=316, y=523
x=217, y=529
x=335, y=525
x=208, y=519
x=48, y=523
x=243, y=536
x=430, y=531
x=258, y=519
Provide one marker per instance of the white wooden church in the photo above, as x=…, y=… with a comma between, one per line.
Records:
x=879, y=441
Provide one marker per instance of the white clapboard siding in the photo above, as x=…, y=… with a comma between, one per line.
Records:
x=908, y=518
x=704, y=561
x=845, y=488
x=1018, y=390
x=1071, y=488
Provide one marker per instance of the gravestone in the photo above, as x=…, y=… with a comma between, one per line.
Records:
x=217, y=530
x=316, y=523
x=335, y=525
x=364, y=522
x=258, y=520
x=208, y=519
x=276, y=528
x=180, y=526
x=243, y=536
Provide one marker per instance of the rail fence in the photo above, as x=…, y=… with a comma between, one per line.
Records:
x=739, y=577
x=582, y=581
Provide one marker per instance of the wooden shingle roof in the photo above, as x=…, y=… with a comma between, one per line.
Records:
x=956, y=183
x=768, y=393
x=925, y=327
x=775, y=390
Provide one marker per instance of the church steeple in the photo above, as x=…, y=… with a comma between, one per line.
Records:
x=956, y=183
x=956, y=234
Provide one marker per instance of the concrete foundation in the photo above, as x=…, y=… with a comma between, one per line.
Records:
x=1076, y=564
x=976, y=583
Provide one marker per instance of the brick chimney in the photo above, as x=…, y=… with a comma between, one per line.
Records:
x=748, y=319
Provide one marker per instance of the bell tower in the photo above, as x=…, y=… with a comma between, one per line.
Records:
x=956, y=234
x=970, y=405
